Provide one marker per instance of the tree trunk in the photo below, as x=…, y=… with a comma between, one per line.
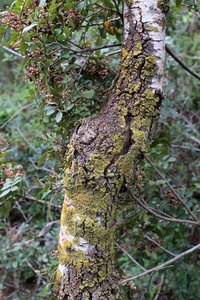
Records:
x=103, y=153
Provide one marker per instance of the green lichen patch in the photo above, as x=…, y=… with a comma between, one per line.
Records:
x=149, y=68
x=155, y=29
x=163, y=5
x=76, y=241
x=136, y=53
x=148, y=94
x=57, y=281
x=139, y=46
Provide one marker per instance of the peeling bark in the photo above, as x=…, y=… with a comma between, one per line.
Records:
x=103, y=153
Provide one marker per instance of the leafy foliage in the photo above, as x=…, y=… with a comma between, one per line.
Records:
x=70, y=55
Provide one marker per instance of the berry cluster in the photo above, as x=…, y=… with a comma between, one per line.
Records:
x=4, y=145
x=153, y=246
x=139, y=176
x=55, y=253
x=6, y=171
x=38, y=33
x=14, y=236
x=98, y=68
x=172, y=197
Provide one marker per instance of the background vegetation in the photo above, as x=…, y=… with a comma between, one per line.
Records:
x=33, y=141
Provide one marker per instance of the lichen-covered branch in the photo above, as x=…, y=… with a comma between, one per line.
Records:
x=102, y=155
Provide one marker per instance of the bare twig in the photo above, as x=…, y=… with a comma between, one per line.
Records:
x=160, y=287
x=153, y=241
x=25, y=139
x=118, y=11
x=108, y=8
x=29, y=197
x=161, y=212
x=17, y=113
x=185, y=147
x=79, y=74
x=12, y=51
x=20, y=209
x=114, y=52
x=94, y=13
x=192, y=138
x=167, y=263
x=101, y=23
x=189, y=123
x=150, y=210
x=41, y=233
x=135, y=262
x=171, y=188
x=195, y=12
x=98, y=48
x=192, y=72
x=84, y=49
x=40, y=168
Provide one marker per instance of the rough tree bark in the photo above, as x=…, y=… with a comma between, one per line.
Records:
x=103, y=153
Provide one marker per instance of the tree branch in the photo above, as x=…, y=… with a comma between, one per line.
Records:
x=79, y=74
x=108, y=8
x=12, y=51
x=149, y=209
x=160, y=287
x=181, y=62
x=171, y=188
x=150, y=239
x=135, y=262
x=41, y=233
x=17, y=113
x=25, y=139
x=185, y=147
x=163, y=265
x=29, y=197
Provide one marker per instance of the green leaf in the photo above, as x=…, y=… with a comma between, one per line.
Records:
x=151, y=182
x=45, y=194
x=2, y=29
x=17, y=179
x=108, y=3
x=87, y=94
x=45, y=289
x=54, y=92
x=14, y=188
x=59, y=116
x=154, y=255
x=42, y=2
x=66, y=30
x=165, y=142
x=171, y=159
x=37, y=182
x=103, y=32
x=69, y=106
x=5, y=209
x=51, y=110
x=145, y=218
x=49, y=212
x=6, y=186
x=2, y=225
x=29, y=27
x=5, y=193
x=23, y=46
x=42, y=158
x=178, y=3
x=197, y=185
x=23, y=63
x=158, y=182
x=57, y=32
x=14, y=37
